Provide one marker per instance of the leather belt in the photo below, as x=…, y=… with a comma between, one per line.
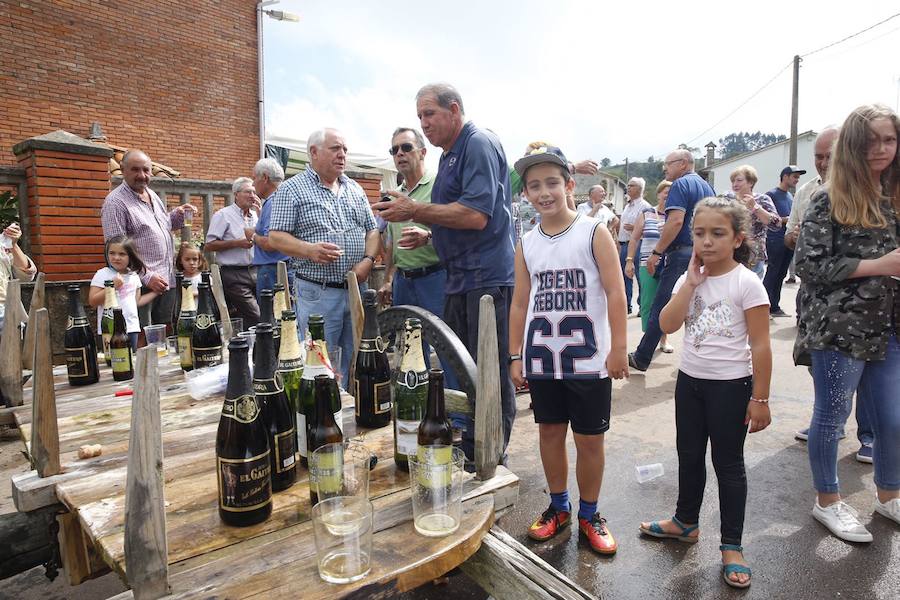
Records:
x=336, y=285
x=421, y=272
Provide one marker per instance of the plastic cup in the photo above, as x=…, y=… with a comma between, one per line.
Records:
x=156, y=336
x=334, y=357
x=436, y=476
x=645, y=473
x=342, y=527
x=250, y=336
x=340, y=469
x=237, y=325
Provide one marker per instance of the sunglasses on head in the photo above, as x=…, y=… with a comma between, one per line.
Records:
x=406, y=147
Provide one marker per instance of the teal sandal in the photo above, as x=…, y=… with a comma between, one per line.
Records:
x=655, y=530
x=730, y=568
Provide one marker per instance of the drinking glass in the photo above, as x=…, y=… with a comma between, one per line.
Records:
x=342, y=526
x=436, y=477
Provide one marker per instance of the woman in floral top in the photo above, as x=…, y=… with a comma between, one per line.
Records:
x=763, y=214
x=849, y=261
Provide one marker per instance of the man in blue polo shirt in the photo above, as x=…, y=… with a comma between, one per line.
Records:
x=471, y=225
x=780, y=256
x=675, y=242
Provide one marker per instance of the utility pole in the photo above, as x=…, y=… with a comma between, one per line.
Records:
x=626, y=169
x=795, y=100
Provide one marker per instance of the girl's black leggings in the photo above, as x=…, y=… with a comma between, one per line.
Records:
x=715, y=410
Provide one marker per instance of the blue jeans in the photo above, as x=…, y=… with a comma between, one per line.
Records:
x=331, y=303
x=267, y=277
x=426, y=292
x=836, y=377
x=759, y=268
x=676, y=264
x=623, y=253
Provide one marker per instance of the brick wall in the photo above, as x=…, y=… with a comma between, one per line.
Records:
x=177, y=79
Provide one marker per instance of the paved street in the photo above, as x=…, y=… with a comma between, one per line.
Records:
x=791, y=555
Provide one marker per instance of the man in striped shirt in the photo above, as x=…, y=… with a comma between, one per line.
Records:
x=133, y=209
x=322, y=219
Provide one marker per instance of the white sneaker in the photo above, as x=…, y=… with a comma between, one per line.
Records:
x=841, y=519
x=890, y=509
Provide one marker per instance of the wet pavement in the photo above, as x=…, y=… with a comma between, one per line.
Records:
x=791, y=554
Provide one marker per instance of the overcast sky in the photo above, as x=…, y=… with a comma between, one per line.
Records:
x=633, y=79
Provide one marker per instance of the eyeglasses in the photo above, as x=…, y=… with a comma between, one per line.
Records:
x=406, y=147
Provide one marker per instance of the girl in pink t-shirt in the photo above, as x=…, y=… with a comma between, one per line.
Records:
x=723, y=379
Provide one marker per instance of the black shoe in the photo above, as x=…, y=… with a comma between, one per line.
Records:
x=778, y=313
x=633, y=363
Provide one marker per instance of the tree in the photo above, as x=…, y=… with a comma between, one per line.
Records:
x=605, y=163
x=744, y=141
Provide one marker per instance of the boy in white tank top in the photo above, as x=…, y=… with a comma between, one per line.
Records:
x=567, y=337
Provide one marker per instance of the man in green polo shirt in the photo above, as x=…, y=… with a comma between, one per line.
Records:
x=414, y=275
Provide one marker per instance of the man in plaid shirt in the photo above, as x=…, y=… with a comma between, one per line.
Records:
x=133, y=209
x=322, y=219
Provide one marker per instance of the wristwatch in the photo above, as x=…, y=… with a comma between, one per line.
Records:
x=370, y=257
x=514, y=357
x=655, y=253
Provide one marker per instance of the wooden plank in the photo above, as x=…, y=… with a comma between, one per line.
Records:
x=357, y=316
x=44, y=434
x=509, y=571
x=401, y=560
x=37, y=301
x=11, y=348
x=72, y=550
x=145, y=512
x=25, y=540
x=282, y=278
x=219, y=295
x=488, y=435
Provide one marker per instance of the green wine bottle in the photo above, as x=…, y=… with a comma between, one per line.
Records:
x=317, y=363
x=410, y=395
x=290, y=366
x=185, y=326
x=111, y=301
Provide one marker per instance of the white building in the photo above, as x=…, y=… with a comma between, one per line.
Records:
x=768, y=162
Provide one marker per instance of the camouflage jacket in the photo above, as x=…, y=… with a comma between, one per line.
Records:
x=853, y=316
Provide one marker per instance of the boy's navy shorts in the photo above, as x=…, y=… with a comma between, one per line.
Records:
x=583, y=402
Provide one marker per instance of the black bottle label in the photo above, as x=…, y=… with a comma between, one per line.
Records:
x=381, y=400
x=77, y=362
x=370, y=345
x=207, y=357
x=73, y=322
x=204, y=321
x=243, y=410
x=284, y=450
x=245, y=484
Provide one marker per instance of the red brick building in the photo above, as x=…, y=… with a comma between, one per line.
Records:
x=177, y=79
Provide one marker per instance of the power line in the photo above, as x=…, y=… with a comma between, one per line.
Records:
x=742, y=104
x=841, y=41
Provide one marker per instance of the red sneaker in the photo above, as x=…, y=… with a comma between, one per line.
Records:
x=549, y=524
x=598, y=536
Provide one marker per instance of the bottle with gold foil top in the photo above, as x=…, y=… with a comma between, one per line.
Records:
x=317, y=363
x=79, y=343
x=410, y=395
x=290, y=365
x=276, y=411
x=185, y=327
x=206, y=339
x=120, y=348
x=278, y=307
x=435, y=439
x=372, y=376
x=325, y=430
x=243, y=466
x=110, y=301
x=266, y=302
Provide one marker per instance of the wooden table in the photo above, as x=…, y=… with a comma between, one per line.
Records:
x=206, y=558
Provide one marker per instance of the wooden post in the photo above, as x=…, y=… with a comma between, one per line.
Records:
x=215, y=280
x=207, y=215
x=11, y=348
x=357, y=316
x=146, y=549
x=282, y=278
x=37, y=301
x=44, y=432
x=488, y=433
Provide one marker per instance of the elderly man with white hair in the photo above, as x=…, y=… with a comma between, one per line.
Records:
x=322, y=219
x=635, y=206
x=267, y=176
x=230, y=236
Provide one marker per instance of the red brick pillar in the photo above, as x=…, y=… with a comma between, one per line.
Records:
x=68, y=178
